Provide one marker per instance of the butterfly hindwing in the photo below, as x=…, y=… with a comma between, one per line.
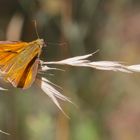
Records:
x=24, y=77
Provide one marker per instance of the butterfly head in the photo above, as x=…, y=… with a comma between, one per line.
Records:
x=40, y=42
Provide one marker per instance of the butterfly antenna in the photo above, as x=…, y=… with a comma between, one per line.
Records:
x=36, y=29
x=55, y=44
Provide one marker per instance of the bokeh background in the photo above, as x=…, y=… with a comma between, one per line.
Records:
x=108, y=102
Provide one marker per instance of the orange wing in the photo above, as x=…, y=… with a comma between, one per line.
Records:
x=8, y=51
x=12, y=45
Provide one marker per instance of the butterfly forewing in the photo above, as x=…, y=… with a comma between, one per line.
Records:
x=10, y=50
x=12, y=46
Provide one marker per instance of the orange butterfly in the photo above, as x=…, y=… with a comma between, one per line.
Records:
x=19, y=62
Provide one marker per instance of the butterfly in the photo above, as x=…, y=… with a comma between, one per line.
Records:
x=19, y=62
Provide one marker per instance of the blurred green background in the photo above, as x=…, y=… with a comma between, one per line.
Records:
x=108, y=102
